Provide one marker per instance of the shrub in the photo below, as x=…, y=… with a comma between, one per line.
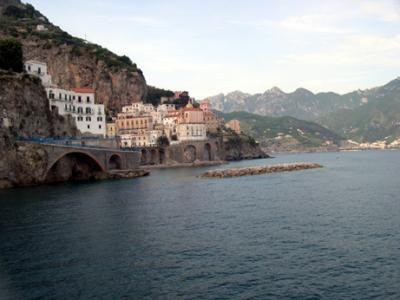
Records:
x=162, y=141
x=11, y=55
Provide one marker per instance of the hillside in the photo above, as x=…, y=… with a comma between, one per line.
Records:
x=285, y=133
x=73, y=62
x=378, y=119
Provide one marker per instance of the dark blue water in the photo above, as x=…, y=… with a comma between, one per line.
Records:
x=331, y=233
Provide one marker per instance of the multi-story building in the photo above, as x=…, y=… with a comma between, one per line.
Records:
x=127, y=122
x=191, y=125
x=79, y=102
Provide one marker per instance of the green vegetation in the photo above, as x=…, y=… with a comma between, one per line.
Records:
x=162, y=141
x=154, y=95
x=264, y=128
x=11, y=58
x=21, y=21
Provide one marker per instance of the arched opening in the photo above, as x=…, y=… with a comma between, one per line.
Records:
x=115, y=163
x=207, y=152
x=143, y=158
x=189, y=154
x=161, y=156
x=153, y=156
x=74, y=166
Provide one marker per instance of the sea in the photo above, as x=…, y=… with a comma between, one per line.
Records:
x=329, y=233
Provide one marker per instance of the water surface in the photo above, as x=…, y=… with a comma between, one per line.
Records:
x=330, y=233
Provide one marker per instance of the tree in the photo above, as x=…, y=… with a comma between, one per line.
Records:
x=11, y=55
x=162, y=141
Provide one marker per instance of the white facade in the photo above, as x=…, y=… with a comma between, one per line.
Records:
x=191, y=132
x=38, y=69
x=90, y=117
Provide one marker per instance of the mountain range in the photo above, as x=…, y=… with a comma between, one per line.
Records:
x=363, y=115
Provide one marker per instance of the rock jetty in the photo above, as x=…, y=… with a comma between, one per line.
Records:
x=236, y=172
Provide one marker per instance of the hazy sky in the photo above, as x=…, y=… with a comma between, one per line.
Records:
x=213, y=46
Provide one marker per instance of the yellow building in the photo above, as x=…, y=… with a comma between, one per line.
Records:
x=111, y=130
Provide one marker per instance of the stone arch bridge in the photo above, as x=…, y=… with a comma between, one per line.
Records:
x=61, y=161
x=184, y=152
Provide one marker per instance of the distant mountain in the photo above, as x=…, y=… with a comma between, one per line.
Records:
x=301, y=104
x=377, y=119
x=284, y=133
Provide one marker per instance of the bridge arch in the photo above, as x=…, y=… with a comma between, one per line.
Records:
x=153, y=156
x=143, y=158
x=189, y=154
x=161, y=156
x=115, y=162
x=74, y=165
x=207, y=154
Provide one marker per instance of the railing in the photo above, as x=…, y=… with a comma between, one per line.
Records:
x=75, y=142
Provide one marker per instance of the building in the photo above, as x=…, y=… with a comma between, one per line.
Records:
x=39, y=69
x=111, y=129
x=90, y=117
x=205, y=106
x=234, y=125
x=191, y=125
x=79, y=103
x=127, y=122
x=212, y=122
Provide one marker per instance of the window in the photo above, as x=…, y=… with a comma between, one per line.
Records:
x=88, y=110
x=39, y=70
x=29, y=68
x=100, y=119
x=80, y=110
x=99, y=126
x=88, y=99
x=88, y=119
x=59, y=96
x=79, y=99
x=88, y=127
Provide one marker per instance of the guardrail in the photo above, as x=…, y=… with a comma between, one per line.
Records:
x=74, y=142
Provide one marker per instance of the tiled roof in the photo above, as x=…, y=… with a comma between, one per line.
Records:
x=83, y=90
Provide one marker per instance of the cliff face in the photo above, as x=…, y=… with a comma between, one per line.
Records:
x=115, y=87
x=24, y=112
x=238, y=147
x=71, y=61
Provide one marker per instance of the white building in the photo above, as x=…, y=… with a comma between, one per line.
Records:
x=38, y=69
x=80, y=102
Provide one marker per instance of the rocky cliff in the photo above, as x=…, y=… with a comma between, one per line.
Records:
x=73, y=62
x=24, y=112
x=238, y=147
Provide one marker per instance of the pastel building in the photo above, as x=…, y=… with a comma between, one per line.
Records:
x=191, y=125
x=234, y=125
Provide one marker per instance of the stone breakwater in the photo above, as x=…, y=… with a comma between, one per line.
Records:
x=236, y=172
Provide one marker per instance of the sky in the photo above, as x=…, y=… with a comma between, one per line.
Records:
x=211, y=46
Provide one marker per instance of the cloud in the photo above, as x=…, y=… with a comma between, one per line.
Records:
x=355, y=50
x=321, y=23
x=388, y=11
